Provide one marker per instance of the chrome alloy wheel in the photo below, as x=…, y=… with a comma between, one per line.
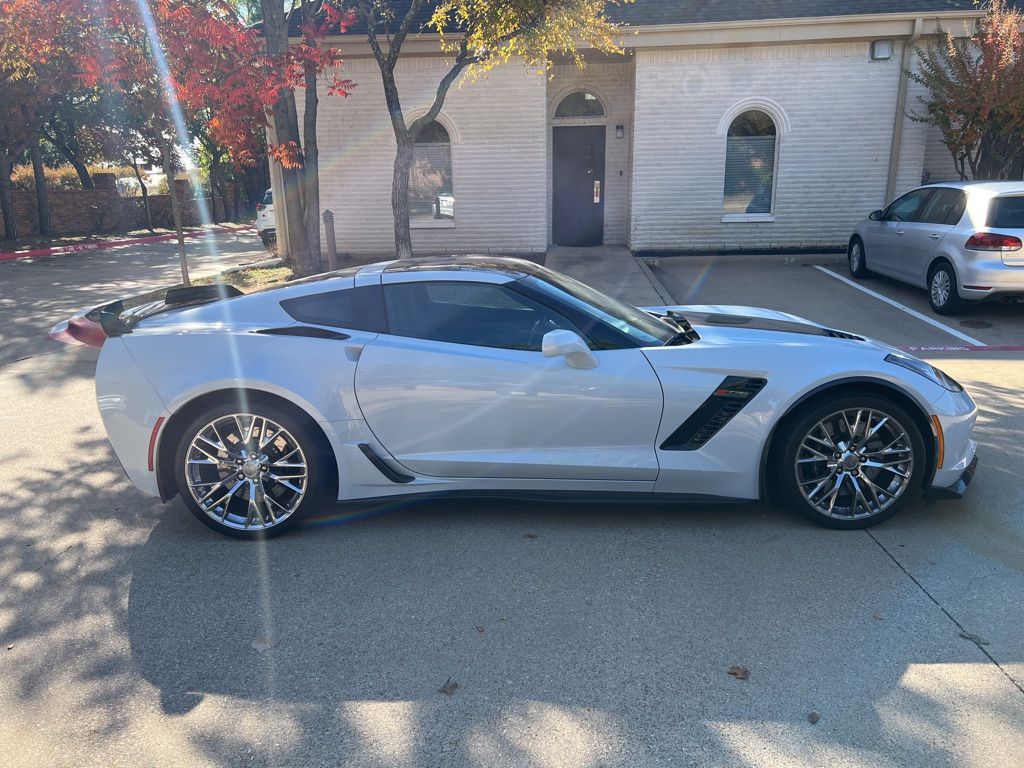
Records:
x=854, y=464
x=855, y=256
x=246, y=471
x=940, y=287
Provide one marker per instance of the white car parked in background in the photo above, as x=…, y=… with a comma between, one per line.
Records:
x=266, y=224
x=962, y=241
x=489, y=375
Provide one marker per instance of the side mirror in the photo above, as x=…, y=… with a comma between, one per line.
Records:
x=875, y=216
x=569, y=345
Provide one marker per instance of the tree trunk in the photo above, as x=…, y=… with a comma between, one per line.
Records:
x=172, y=188
x=82, y=171
x=400, y=198
x=6, y=198
x=286, y=130
x=145, y=196
x=311, y=174
x=42, y=199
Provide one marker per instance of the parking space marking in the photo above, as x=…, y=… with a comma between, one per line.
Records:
x=904, y=308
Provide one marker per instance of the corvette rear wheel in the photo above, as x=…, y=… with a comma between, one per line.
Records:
x=251, y=470
x=853, y=462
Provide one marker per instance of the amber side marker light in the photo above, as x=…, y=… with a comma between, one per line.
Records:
x=940, y=441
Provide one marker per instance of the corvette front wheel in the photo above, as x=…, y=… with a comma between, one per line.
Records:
x=853, y=462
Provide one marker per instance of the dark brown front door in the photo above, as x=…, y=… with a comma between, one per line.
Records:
x=578, y=185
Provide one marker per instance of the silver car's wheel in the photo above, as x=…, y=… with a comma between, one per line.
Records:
x=855, y=258
x=942, y=291
x=940, y=288
x=246, y=472
x=854, y=463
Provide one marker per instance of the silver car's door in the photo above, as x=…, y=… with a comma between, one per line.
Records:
x=942, y=211
x=885, y=255
x=460, y=388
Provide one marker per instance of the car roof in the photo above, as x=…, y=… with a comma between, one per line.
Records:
x=501, y=265
x=990, y=188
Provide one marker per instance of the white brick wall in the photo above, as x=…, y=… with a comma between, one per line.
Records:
x=663, y=182
x=497, y=126
x=832, y=166
x=938, y=162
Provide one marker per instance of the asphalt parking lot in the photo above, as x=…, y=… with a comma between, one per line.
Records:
x=579, y=636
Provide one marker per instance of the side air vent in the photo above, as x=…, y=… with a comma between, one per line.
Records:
x=842, y=335
x=714, y=413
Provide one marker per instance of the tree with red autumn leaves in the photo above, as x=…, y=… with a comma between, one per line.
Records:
x=38, y=50
x=163, y=66
x=976, y=94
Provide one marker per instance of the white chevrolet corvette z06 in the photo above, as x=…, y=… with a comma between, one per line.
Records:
x=492, y=375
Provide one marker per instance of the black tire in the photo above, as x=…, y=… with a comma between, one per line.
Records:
x=287, y=428
x=856, y=259
x=943, y=295
x=905, y=487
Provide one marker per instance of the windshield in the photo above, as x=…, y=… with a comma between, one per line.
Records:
x=640, y=326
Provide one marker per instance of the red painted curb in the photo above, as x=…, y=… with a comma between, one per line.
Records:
x=965, y=348
x=64, y=249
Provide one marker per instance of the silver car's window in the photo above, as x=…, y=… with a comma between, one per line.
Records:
x=1006, y=213
x=908, y=207
x=945, y=206
x=479, y=314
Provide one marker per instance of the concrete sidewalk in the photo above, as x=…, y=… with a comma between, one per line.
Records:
x=611, y=269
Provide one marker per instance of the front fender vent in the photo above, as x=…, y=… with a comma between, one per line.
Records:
x=714, y=413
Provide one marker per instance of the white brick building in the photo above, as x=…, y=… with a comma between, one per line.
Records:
x=812, y=93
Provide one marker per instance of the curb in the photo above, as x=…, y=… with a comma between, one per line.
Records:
x=656, y=284
x=104, y=244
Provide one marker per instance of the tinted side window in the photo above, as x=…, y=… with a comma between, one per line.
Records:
x=1006, y=213
x=268, y=198
x=908, y=207
x=481, y=314
x=945, y=206
x=359, y=308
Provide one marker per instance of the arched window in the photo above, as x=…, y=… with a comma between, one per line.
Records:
x=430, y=178
x=580, y=104
x=750, y=163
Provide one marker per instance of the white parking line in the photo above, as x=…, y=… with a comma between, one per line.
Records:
x=902, y=307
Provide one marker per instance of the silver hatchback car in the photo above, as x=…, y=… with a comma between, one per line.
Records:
x=962, y=241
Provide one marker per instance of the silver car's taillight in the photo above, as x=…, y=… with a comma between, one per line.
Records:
x=991, y=241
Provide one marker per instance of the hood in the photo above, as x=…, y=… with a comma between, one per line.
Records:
x=734, y=321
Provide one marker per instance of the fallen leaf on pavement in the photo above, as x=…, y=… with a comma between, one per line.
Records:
x=974, y=638
x=263, y=644
x=529, y=535
x=10, y=647
x=478, y=628
x=813, y=718
x=876, y=616
x=740, y=673
x=448, y=688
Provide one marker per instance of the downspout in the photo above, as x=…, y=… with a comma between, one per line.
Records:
x=901, y=105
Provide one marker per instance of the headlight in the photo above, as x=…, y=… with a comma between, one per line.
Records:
x=930, y=372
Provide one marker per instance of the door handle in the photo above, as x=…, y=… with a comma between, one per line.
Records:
x=935, y=236
x=597, y=191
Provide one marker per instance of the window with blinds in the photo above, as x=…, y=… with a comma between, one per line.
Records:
x=750, y=164
x=430, y=178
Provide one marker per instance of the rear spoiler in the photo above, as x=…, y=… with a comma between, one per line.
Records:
x=91, y=327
